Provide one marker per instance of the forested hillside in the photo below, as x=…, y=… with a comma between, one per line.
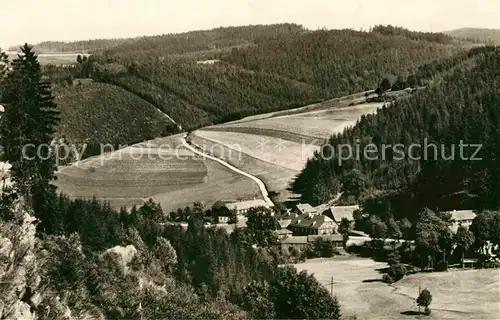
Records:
x=488, y=36
x=462, y=106
x=96, y=113
x=256, y=69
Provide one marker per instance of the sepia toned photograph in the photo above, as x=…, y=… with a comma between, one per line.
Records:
x=249, y=159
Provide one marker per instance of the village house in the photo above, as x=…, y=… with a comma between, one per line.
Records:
x=304, y=208
x=312, y=224
x=337, y=213
x=297, y=242
x=301, y=242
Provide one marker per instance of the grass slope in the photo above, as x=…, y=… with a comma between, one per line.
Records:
x=161, y=169
x=276, y=146
x=103, y=113
x=457, y=295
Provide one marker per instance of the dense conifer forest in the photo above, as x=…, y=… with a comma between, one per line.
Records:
x=460, y=106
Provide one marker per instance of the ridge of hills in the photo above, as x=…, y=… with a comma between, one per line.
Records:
x=203, y=78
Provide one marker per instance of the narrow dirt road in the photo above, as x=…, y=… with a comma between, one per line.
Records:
x=259, y=182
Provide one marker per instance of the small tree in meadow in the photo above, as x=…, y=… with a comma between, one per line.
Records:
x=424, y=300
x=344, y=229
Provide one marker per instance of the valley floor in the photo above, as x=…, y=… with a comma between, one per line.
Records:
x=457, y=294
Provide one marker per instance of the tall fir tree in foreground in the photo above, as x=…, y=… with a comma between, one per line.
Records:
x=27, y=129
x=4, y=68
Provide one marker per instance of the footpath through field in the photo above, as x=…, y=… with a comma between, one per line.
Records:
x=259, y=182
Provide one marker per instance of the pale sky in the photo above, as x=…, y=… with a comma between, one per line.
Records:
x=34, y=21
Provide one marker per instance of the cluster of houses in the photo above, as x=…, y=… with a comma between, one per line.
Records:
x=300, y=225
x=304, y=223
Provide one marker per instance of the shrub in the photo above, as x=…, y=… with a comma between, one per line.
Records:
x=441, y=266
x=387, y=279
x=393, y=258
x=427, y=311
x=397, y=272
x=424, y=299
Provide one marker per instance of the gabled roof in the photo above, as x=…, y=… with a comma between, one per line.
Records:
x=305, y=208
x=314, y=221
x=461, y=215
x=284, y=222
x=340, y=212
x=311, y=238
x=295, y=240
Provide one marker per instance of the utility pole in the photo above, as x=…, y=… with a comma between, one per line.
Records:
x=331, y=286
x=417, y=299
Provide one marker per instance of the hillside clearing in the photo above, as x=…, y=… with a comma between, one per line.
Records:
x=276, y=146
x=457, y=295
x=287, y=154
x=321, y=123
x=161, y=169
x=276, y=178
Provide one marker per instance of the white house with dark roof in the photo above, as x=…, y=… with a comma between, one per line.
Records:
x=462, y=218
x=304, y=208
x=312, y=224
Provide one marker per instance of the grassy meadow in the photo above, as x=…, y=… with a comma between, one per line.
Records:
x=457, y=294
x=161, y=169
x=275, y=146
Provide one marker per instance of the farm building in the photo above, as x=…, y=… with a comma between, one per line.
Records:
x=312, y=224
x=301, y=242
x=335, y=238
x=304, y=208
x=337, y=213
x=462, y=218
x=242, y=207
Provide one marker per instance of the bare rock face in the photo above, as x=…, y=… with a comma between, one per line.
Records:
x=18, y=266
x=125, y=253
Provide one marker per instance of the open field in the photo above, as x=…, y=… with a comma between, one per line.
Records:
x=457, y=295
x=275, y=177
x=161, y=169
x=287, y=154
x=276, y=146
x=54, y=58
x=320, y=123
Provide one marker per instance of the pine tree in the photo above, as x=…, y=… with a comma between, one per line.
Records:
x=4, y=67
x=27, y=129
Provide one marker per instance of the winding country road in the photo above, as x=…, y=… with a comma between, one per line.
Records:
x=259, y=182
